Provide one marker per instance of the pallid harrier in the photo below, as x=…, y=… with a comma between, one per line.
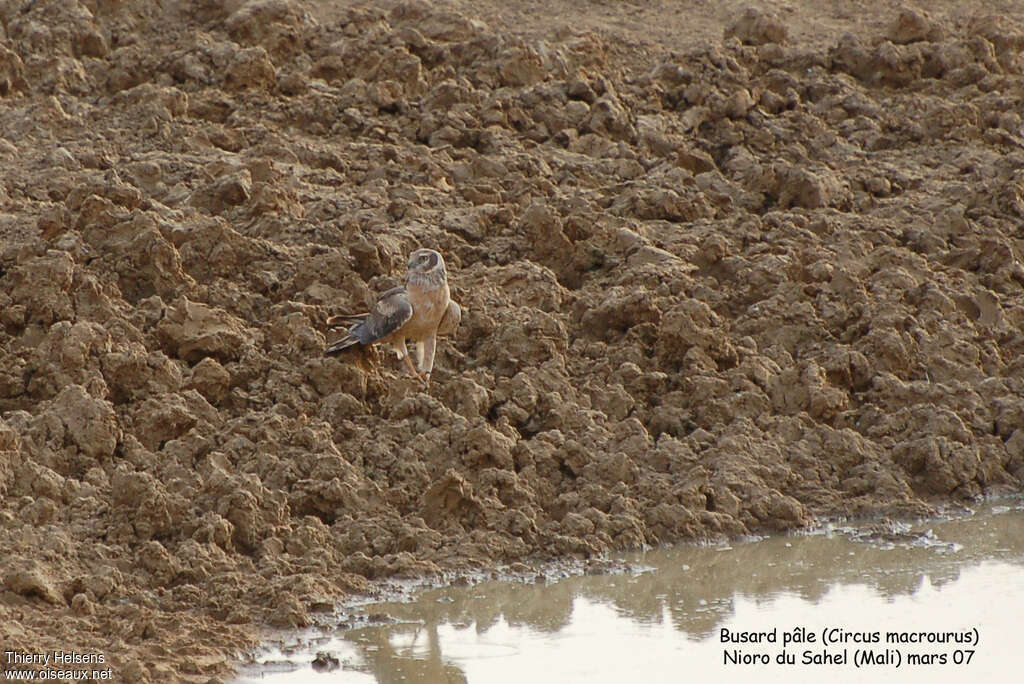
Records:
x=421, y=311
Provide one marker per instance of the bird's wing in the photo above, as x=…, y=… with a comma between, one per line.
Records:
x=390, y=313
x=450, y=319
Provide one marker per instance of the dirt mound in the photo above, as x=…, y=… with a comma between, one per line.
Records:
x=709, y=290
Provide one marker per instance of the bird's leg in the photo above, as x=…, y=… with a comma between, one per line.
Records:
x=415, y=373
x=404, y=353
x=419, y=355
x=429, y=346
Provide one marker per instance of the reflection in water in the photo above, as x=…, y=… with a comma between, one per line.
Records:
x=611, y=627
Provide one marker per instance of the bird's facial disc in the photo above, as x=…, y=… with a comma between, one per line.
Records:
x=423, y=260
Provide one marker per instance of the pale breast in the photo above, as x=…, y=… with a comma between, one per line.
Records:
x=428, y=307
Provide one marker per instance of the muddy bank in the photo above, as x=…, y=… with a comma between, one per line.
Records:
x=671, y=604
x=712, y=287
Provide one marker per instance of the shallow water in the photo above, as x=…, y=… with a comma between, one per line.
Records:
x=959, y=580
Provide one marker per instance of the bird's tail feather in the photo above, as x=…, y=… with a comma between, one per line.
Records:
x=346, y=320
x=341, y=345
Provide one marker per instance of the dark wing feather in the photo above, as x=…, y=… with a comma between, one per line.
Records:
x=390, y=313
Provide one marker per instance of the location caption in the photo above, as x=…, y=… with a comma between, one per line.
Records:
x=843, y=647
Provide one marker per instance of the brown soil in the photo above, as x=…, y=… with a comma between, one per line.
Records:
x=724, y=272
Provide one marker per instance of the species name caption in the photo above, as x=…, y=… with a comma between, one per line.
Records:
x=54, y=665
x=844, y=647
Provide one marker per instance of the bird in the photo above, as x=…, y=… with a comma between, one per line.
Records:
x=421, y=310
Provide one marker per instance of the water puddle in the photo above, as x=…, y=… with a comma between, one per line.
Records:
x=940, y=601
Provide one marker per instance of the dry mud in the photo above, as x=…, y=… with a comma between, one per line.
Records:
x=724, y=272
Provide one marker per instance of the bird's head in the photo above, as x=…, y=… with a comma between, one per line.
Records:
x=425, y=261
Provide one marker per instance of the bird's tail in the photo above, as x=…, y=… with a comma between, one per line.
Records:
x=347, y=321
x=341, y=345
